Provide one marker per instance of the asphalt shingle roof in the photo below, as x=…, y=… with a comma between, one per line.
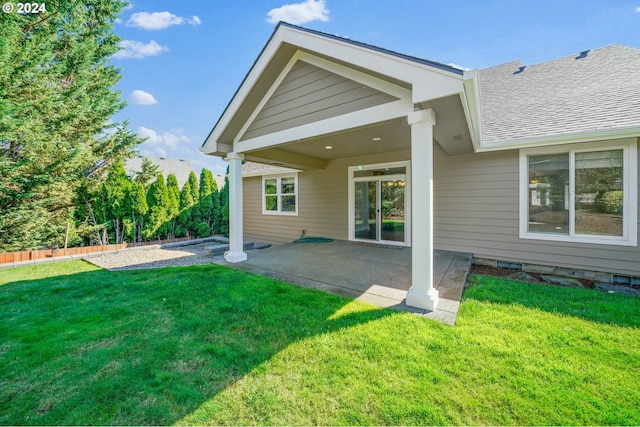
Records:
x=253, y=168
x=574, y=94
x=181, y=168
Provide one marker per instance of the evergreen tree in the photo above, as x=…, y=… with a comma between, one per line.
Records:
x=157, y=200
x=224, y=205
x=173, y=208
x=56, y=99
x=195, y=196
x=115, y=191
x=216, y=210
x=138, y=209
x=148, y=172
x=186, y=209
x=205, y=205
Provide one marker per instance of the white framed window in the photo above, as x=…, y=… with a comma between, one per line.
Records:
x=280, y=194
x=584, y=193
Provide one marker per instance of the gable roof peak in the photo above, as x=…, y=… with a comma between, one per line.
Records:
x=368, y=46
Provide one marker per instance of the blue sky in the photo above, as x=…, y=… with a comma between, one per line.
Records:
x=183, y=60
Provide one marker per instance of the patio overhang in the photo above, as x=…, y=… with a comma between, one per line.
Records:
x=366, y=87
x=312, y=98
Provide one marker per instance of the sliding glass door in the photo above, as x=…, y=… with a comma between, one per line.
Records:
x=366, y=212
x=392, y=210
x=379, y=205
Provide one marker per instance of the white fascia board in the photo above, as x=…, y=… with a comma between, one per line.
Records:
x=472, y=107
x=367, y=116
x=570, y=138
x=245, y=88
x=468, y=113
x=279, y=171
x=436, y=84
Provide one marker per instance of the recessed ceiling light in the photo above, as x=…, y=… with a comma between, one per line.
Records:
x=328, y=147
x=376, y=138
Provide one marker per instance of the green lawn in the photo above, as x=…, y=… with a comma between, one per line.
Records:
x=212, y=345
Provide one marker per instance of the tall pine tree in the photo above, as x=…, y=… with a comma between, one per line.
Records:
x=56, y=98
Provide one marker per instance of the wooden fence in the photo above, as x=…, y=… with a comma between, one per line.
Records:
x=8, y=257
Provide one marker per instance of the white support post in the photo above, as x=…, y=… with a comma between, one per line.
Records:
x=236, y=249
x=422, y=293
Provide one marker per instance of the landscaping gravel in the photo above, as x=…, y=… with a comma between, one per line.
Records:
x=154, y=257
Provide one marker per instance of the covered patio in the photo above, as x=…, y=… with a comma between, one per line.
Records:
x=377, y=274
x=356, y=127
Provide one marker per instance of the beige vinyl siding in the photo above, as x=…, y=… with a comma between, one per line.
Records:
x=323, y=203
x=476, y=210
x=309, y=94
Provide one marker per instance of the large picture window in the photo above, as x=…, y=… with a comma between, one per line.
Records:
x=584, y=194
x=280, y=194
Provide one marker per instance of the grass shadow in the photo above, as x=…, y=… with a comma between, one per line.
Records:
x=146, y=346
x=587, y=304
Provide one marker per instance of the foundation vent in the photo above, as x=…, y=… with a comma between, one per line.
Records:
x=625, y=280
x=512, y=265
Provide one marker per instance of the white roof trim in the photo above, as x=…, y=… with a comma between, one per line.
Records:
x=281, y=171
x=570, y=138
x=260, y=64
x=442, y=82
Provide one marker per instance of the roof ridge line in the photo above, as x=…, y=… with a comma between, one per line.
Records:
x=423, y=61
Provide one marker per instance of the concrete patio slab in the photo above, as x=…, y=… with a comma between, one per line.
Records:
x=377, y=274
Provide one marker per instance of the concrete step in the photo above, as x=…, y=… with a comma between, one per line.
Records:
x=224, y=247
x=195, y=242
x=261, y=246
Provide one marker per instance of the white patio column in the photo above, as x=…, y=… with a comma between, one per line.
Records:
x=422, y=293
x=236, y=250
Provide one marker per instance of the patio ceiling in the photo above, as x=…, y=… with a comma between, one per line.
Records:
x=394, y=136
x=451, y=133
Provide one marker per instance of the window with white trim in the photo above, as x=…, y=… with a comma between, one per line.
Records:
x=580, y=193
x=280, y=194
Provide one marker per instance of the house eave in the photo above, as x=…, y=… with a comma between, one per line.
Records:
x=560, y=139
x=448, y=80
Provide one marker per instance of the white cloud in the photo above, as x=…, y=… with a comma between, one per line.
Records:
x=159, y=20
x=157, y=152
x=166, y=139
x=300, y=13
x=135, y=49
x=638, y=9
x=141, y=97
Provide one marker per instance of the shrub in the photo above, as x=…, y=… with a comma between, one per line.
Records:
x=181, y=231
x=203, y=230
x=610, y=202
